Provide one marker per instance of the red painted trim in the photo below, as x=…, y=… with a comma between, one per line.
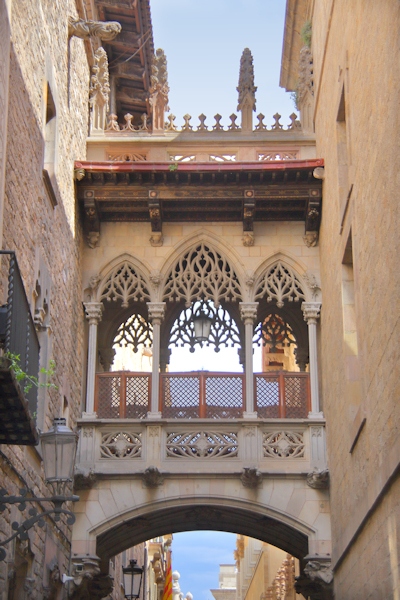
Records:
x=195, y=167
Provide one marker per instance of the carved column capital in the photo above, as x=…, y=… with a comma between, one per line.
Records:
x=94, y=311
x=156, y=312
x=311, y=311
x=248, y=312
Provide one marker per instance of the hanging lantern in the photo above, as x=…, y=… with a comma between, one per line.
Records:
x=202, y=326
x=58, y=451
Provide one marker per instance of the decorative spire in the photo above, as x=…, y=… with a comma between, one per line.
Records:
x=247, y=90
x=159, y=90
x=99, y=92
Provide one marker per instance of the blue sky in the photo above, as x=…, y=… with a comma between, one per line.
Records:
x=203, y=41
x=197, y=556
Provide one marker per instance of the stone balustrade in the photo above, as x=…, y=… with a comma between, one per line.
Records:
x=250, y=449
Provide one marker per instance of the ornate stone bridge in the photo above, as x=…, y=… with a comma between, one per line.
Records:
x=138, y=479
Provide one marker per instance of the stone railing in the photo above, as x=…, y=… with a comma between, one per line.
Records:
x=113, y=127
x=202, y=446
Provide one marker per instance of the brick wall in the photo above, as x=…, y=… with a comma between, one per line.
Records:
x=44, y=237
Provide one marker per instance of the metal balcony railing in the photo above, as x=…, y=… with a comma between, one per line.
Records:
x=202, y=394
x=18, y=337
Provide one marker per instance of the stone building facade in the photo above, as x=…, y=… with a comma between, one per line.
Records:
x=352, y=93
x=44, y=78
x=289, y=227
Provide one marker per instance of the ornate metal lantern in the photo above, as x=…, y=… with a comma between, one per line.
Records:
x=202, y=326
x=59, y=450
x=132, y=580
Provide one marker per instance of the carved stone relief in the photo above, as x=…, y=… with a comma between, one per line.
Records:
x=105, y=30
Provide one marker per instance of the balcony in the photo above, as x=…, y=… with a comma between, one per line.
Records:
x=203, y=395
x=18, y=337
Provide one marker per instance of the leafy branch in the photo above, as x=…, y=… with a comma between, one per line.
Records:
x=30, y=380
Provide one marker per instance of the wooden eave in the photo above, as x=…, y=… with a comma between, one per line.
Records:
x=247, y=192
x=129, y=55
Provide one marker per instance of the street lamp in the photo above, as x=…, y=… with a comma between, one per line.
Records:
x=132, y=580
x=59, y=450
x=202, y=326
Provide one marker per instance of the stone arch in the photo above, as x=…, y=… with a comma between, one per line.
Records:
x=297, y=278
x=150, y=515
x=123, y=286
x=280, y=287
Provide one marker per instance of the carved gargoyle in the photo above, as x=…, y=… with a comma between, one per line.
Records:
x=152, y=477
x=251, y=477
x=318, y=480
x=105, y=30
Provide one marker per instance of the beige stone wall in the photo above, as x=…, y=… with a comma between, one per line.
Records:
x=271, y=239
x=355, y=45
x=45, y=239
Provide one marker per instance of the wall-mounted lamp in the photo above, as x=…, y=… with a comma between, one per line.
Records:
x=58, y=450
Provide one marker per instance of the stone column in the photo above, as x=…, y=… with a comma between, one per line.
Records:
x=156, y=316
x=248, y=312
x=93, y=314
x=311, y=311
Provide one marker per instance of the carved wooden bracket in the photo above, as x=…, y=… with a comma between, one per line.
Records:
x=313, y=217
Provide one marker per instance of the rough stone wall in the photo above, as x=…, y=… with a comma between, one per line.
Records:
x=354, y=46
x=41, y=55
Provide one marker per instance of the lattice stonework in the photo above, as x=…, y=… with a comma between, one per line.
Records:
x=283, y=444
x=134, y=332
x=126, y=285
x=202, y=274
x=275, y=332
x=280, y=283
x=202, y=444
x=121, y=444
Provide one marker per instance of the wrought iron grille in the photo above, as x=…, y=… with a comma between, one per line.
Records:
x=18, y=329
x=122, y=395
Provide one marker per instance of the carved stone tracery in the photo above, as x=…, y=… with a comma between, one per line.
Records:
x=283, y=444
x=202, y=274
x=134, y=333
x=126, y=285
x=280, y=283
x=202, y=444
x=224, y=331
x=121, y=444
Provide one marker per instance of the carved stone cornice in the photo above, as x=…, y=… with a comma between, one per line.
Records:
x=248, y=312
x=311, y=311
x=94, y=311
x=156, y=312
x=105, y=30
